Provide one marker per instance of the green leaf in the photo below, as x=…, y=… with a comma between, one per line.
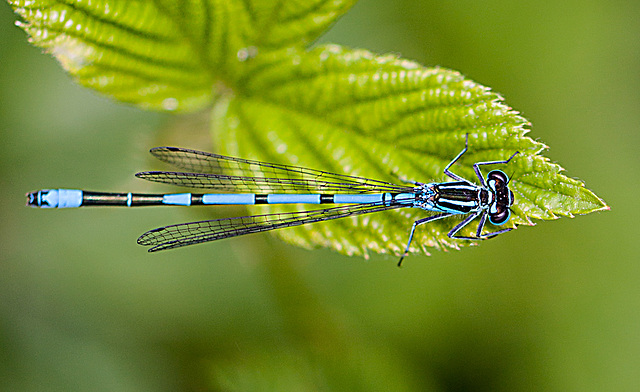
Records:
x=386, y=118
x=330, y=108
x=168, y=55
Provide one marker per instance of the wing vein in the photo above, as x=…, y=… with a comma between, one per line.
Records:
x=229, y=174
x=184, y=234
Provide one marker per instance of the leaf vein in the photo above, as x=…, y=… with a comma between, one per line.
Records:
x=98, y=17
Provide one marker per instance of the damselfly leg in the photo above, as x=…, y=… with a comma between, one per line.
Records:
x=413, y=229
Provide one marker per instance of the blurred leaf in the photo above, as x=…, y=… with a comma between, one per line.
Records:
x=168, y=55
x=355, y=367
x=386, y=118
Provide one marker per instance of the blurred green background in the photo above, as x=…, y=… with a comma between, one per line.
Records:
x=553, y=307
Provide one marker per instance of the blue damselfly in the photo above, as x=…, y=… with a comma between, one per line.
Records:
x=246, y=182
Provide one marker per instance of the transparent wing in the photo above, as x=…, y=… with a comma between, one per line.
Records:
x=236, y=174
x=225, y=183
x=184, y=234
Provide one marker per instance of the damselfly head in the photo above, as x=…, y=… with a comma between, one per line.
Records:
x=499, y=212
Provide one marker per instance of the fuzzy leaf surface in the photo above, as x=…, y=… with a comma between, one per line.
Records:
x=166, y=54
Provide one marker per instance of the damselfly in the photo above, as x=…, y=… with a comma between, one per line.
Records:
x=242, y=181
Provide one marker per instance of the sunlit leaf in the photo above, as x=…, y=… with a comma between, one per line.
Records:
x=386, y=118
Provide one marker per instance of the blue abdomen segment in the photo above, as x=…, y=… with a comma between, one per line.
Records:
x=55, y=198
x=229, y=198
x=405, y=197
x=358, y=199
x=177, y=199
x=293, y=199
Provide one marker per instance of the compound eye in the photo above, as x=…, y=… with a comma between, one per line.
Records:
x=498, y=175
x=500, y=216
